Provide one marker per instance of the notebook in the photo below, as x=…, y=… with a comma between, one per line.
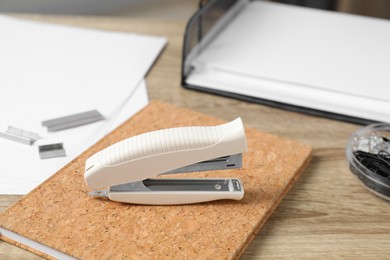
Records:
x=58, y=218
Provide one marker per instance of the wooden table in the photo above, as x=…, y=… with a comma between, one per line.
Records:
x=327, y=214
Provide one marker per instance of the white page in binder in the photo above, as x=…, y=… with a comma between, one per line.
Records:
x=339, y=59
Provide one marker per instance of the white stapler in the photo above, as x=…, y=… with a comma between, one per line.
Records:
x=127, y=166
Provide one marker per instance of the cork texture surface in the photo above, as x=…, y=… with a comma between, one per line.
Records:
x=61, y=215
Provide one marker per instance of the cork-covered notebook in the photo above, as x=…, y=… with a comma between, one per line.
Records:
x=60, y=215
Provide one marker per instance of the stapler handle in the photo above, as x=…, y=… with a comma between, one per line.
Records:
x=150, y=154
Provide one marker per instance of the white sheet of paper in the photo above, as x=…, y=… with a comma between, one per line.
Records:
x=302, y=56
x=48, y=71
x=51, y=71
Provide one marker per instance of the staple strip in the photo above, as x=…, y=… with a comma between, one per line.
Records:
x=71, y=121
x=16, y=138
x=23, y=133
x=51, y=151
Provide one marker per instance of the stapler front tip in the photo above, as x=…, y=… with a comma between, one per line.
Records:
x=128, y=166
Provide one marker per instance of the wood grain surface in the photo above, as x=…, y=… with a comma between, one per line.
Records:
x=327, y=214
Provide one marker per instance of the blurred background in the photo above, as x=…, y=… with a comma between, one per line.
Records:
x=173, y=9
x=165, y=9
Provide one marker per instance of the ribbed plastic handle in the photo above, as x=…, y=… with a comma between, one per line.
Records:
x=159, y=142
x=152, y=153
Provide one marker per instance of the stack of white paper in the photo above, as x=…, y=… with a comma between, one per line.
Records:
x=306, y=57
x=49, y=71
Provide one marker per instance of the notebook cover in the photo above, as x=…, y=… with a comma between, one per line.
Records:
x=59, y=214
